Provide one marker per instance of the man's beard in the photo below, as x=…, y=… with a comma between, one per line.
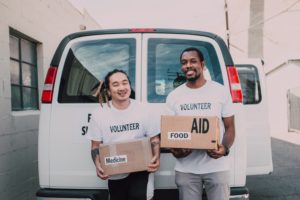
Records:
x=193, y=79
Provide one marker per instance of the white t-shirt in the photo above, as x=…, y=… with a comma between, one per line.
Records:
x=111, y=125
x=212, y=99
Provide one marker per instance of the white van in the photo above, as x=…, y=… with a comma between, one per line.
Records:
x=151, y=58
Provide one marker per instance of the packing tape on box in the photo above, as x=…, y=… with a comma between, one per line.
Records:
x=112, y=150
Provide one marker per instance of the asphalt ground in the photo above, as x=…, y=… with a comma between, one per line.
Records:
x=284, y=182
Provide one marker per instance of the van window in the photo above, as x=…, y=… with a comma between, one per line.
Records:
x=250, y=84
x=89, y=61
x=164, y=68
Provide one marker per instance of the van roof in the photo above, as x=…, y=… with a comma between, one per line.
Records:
x=58, y=53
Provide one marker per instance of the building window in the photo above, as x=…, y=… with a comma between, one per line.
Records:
x=23, y=72
x=294, y=109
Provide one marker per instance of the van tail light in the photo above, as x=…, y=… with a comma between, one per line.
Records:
x=235, y=85
x=49, y=85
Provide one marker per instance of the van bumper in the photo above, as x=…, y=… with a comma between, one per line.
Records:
x=71, y=194
x=236, y=193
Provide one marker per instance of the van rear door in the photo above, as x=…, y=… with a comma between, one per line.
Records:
x=161, y=73
x=259, y=155
x=84, y=62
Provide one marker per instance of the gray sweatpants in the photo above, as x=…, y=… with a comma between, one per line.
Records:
x=191, y=185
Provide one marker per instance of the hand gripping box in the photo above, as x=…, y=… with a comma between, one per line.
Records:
x=192, y=132
x=125, y=157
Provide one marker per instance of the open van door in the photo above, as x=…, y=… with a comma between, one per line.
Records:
x=255, y=101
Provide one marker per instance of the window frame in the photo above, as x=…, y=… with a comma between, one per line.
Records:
x=64, y=98
x=20, y=62
x=292, y=109
x=257, y=78
x=154, y=42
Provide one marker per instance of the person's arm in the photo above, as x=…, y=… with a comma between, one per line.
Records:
x=229, y=135
x=155, y=161
x=96, y=159
x=228, y=138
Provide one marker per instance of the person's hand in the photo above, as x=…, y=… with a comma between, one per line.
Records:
x=217, y=153
x=154, y=164
x=100, y=171
x=180, y=153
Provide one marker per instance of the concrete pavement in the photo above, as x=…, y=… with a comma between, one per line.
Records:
x=284, y=182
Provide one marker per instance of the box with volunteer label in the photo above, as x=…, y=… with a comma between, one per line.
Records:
x=125, y=157
x=192, y=132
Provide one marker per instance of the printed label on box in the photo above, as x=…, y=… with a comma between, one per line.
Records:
x=179, y=135
x=115, y=159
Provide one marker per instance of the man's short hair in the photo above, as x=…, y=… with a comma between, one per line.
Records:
x=200, y=55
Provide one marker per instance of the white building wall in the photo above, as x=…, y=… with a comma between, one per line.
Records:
x=279, y=82
x=46, y=21
x=281, y=31
x=281, y=41
x=239, y=19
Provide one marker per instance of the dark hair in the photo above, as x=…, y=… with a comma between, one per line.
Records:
x=200, y=55
x=102, y=91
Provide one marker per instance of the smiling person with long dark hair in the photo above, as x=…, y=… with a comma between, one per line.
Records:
x=108, y=125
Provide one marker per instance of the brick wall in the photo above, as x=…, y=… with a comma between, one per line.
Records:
x=46, y=21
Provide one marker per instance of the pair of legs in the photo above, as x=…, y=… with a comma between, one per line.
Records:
x=191, y=185
x=137, y=186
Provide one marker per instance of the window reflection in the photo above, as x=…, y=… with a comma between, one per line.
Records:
x=88, y=62
x=164, y=68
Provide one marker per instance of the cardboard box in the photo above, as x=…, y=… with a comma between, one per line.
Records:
x=125, y=157
x=192, y=132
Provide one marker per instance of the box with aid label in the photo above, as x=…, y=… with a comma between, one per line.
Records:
x=192, y=132
x=125, y=157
